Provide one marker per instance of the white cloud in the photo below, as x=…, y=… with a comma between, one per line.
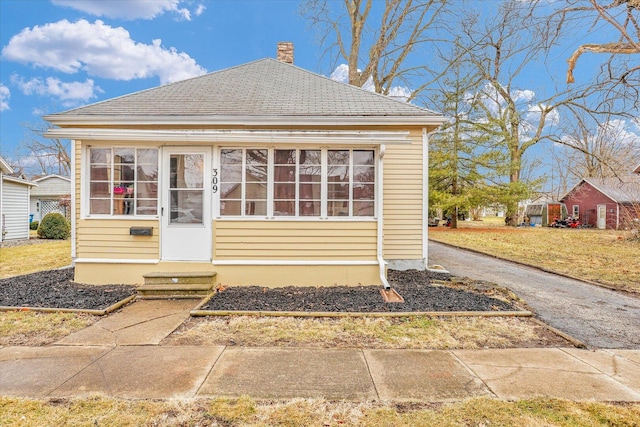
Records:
x=401, y=93
x=618, y=130
x=341, y=74
x=199, y=10
x=133, y=9
x=534, y=112
x=100, y=50
x=184, y=14
x=5, y=94
x=70, y=93
x=523, y=95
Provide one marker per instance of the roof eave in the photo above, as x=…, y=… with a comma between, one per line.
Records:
x=53, y=175
x=246, y=121
x=19, y=181
x=4, y=167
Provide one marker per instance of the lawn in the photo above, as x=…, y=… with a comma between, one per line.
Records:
x=245, y=411
x=609, y=257
x=417, y=332
x=24, y=259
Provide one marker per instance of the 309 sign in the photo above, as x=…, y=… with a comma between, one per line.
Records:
x=214, y=180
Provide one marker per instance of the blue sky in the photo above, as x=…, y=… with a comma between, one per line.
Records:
x=61, y=54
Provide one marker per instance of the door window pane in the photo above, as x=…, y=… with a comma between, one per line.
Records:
x=186, y=188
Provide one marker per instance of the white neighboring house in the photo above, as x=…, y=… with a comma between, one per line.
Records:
x=45, y=198
x=14, y=204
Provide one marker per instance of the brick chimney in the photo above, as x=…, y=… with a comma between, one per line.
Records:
x=285, y=52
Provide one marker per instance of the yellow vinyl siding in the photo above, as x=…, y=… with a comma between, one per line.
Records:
x=295, y=240
x=111, y=239
x=403, y=199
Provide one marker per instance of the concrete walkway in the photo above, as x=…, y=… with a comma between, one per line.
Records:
x=119, y=356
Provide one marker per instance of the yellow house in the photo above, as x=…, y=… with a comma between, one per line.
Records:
x=264, y=173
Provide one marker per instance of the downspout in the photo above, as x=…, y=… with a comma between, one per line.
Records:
x=72, y=200
x=617, y=215
x=379, y=200
x=425, y=197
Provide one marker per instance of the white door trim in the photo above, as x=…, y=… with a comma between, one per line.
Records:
x=186, y=241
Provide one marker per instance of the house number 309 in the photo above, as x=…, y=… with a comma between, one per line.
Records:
x=214, y=180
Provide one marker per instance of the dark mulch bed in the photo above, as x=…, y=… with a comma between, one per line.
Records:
x=414, y=286
x=55, y=289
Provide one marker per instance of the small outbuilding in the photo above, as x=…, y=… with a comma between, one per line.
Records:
x=14, y=204
x=606, y=203
x=49, y=196
x=543, y=214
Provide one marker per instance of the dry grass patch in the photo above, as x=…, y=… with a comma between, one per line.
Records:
x=25, y=259
x=609, y=257
x=36, y=329
x=245, y=411
x=416, y=332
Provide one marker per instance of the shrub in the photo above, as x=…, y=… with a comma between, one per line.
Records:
x=33, y=225
x=54, y=226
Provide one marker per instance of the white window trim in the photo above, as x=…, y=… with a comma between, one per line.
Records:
x=324, y=185
x=85, y=179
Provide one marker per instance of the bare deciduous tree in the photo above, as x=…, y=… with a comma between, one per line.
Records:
x=44, y=156
x=500, y=48
x=377, y=39
x=597, y=148
x=620, y=15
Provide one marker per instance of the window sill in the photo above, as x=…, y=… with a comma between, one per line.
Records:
x=122, y=217
x=298, y=219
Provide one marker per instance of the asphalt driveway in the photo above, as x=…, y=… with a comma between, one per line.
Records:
x=599, y=317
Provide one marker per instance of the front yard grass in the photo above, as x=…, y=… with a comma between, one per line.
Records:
x=312, y=412
x=25, y=259
x=608, y=257
x=417, y=332
x=36, y=329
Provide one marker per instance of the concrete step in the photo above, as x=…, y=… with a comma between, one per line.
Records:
x=176, y=285
x=179, y=278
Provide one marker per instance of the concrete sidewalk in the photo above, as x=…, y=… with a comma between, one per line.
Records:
x=120, y=357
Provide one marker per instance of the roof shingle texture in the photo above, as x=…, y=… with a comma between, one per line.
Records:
x=622, y=190
x=262, y=88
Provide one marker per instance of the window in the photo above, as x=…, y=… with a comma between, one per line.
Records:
x=576, y=211
x=297, y=182
x=123, y=181
x=243, y=182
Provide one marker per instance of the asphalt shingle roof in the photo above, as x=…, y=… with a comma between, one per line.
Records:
x=266, y=87
x=622, y=190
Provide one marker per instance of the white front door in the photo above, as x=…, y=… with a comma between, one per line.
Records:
x=186, y=204
x=602, y=217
